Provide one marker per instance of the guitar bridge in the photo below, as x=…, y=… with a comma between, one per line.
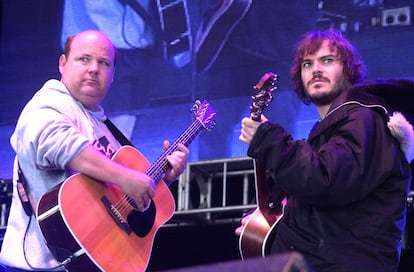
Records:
x=116, y=216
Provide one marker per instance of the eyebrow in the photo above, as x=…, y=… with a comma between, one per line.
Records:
x=321, y=57
x=105, y=58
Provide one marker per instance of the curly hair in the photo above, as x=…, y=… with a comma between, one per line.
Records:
x=354, y=69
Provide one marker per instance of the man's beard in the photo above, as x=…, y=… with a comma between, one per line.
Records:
x=327, y=98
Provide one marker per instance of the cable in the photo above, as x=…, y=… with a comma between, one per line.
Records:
x=27, y=260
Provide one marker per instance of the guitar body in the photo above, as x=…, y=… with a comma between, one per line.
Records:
x=259, y=231
x=74, y=220
x=258, y=235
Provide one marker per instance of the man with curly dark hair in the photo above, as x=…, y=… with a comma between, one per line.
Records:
x=346, y=186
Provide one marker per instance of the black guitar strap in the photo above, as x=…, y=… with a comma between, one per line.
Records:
x=117, y=133
x=27, y=203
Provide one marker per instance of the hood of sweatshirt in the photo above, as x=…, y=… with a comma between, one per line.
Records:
x=396, y=96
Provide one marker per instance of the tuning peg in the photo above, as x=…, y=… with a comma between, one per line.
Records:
x=212, y=124
x=195, y=106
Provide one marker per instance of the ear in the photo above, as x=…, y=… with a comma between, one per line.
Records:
x=62, y=62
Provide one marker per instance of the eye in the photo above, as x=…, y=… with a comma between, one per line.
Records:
x=328, y=60
x=104, y=63
x=306, y=64
x=84, y=59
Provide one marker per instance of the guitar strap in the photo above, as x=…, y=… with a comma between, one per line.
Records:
x=21, y=185
x=117, y=133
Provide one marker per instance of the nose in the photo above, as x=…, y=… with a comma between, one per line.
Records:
x=317, y=74
x=93, y=67
x=316, y=67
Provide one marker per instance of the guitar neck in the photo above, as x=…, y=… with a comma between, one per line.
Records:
x=256, y=116
x=205, y=119
x=161, y=164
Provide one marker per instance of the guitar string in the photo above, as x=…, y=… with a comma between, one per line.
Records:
x=184, y=138
x=161, y=163
x=124, y=204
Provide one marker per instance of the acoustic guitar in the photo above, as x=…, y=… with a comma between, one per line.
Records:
x=91, y=225
x=257, y=234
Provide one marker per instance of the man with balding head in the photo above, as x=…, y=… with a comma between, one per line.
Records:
x=62, y=131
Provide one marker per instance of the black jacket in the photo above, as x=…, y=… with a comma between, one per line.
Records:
x=346, y=185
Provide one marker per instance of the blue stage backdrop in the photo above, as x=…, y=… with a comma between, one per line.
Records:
x=171, y=53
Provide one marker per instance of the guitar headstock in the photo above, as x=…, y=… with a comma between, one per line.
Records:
x=204, y=113
x=263, y=94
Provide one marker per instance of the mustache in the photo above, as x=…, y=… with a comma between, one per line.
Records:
x=318, y=77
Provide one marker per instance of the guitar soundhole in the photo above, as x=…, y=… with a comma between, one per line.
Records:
x=142, y=222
